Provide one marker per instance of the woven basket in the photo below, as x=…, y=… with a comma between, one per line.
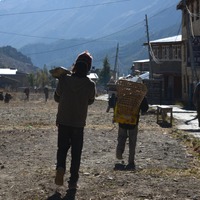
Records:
x=59, y=71
x=129, y=97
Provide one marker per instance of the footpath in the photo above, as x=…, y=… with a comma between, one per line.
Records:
x=166, y=167
x=187, y=120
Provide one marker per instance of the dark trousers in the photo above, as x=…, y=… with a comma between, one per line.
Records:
x=70, y=137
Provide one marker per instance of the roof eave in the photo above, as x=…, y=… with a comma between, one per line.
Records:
x=180, y=5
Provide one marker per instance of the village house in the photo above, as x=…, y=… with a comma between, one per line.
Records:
x=141, y=65
x=12, y=79
x=190, y=47
x=166, y=68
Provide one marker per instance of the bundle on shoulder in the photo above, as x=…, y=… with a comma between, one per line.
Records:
x=59, y=71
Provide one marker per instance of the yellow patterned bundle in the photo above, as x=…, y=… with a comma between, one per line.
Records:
x=129, y=97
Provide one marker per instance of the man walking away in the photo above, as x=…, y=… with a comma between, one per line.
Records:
x=74, y=93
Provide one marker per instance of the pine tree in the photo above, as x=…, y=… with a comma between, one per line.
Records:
x=31, y=79
x=105, y=74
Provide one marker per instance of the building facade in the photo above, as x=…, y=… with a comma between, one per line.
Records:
x=190, y=47
x=11, y=79
x=141, y=65
x=166, y=66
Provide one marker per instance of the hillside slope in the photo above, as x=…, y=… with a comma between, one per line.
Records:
x=64, y=53
x=11, y=58
x=26, y=22
x=54, y=33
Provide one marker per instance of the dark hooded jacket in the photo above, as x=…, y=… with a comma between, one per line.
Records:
x=74, y=94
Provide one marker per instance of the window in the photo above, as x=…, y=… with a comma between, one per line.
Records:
x=165, y=52
x=179, y=52
x=156, y=51
x=170, y=53
x=176, y=52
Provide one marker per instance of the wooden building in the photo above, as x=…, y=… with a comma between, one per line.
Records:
x=141, y=65
x=166, y=66
x=190, y=47
x=12, y=79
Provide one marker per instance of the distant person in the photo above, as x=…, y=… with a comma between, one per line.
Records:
x=27, y=92
x=35, y=89
x=74, y=93
x=196, y=100
x=111, y=102
x=7, y=98
x=46, y=93
x=1, y=96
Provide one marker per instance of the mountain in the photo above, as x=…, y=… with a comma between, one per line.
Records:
x=11, y=58
x=64, y=53
x=53, y=32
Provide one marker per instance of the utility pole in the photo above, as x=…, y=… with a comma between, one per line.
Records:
x=116, y=64
x=149, y=50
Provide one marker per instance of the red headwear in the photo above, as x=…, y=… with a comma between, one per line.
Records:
x=86, y=58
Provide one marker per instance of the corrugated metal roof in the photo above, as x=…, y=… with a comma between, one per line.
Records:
x=7, y=71
x=141, y=61
x=177, y=38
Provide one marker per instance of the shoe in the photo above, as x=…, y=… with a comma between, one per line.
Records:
x=130, y=167
x=59, y=176
x=70, y=195
x=119, y=155
x=72, y=186
x=119, y=167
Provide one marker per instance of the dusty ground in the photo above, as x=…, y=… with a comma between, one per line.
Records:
x=166, y=167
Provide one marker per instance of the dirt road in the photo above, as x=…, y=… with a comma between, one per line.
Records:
x=166, y=167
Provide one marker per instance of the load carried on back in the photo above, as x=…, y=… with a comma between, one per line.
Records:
x=129, y=97
x=59, y=71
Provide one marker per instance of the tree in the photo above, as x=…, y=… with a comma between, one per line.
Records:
x=52, y=80
x=105, y=74
x=31, y=79
x=42, y=77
